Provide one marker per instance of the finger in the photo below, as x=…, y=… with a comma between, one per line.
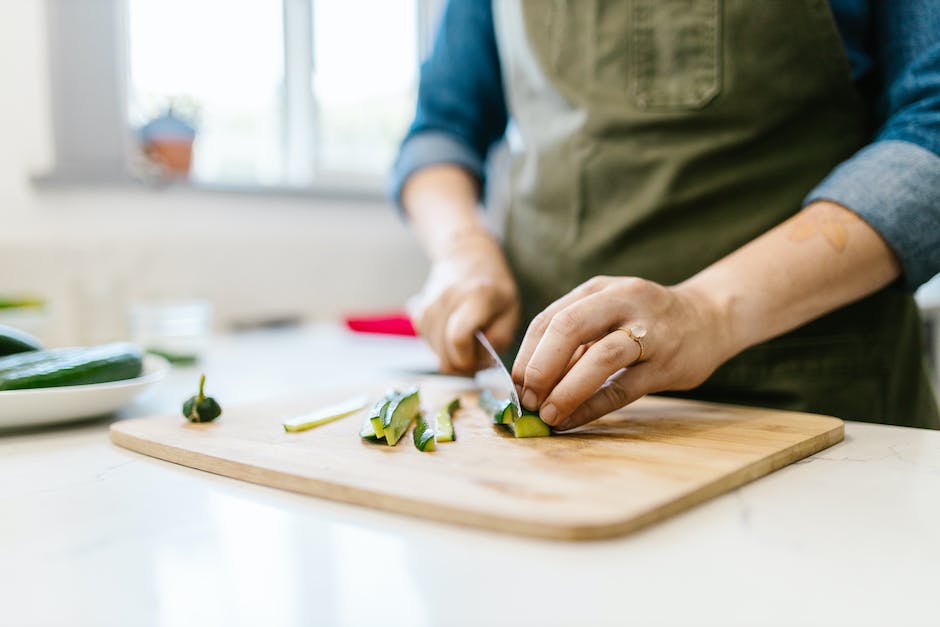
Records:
x=500, y=333
x=605, y=358
x=471, y=314
x=540, y=323
x=502, y=329
x=591, y=318
x=429, y=318
x=578, y=354
x=618, y=391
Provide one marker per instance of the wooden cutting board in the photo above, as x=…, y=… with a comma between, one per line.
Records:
x=633, y=467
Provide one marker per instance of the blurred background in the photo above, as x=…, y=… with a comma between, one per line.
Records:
x=222, y=158
x=234, y=152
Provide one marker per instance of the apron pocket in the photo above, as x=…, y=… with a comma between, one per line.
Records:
x=676, y=53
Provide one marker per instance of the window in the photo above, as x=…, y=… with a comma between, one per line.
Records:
x=220, y=67
x=304, y=94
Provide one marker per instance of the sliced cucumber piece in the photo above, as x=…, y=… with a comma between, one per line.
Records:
x=399, y=415
x=376, y=415
x=424, y=436
x=325, y=415
x=501, y=410
x=367, y=432
x=529, y=425
x=445, y=421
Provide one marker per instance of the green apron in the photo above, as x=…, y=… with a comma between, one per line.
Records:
x=651, y=138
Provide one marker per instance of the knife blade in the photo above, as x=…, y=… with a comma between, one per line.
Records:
x=495, y=378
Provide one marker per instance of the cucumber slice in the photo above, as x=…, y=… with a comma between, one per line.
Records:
x=372, y=425
x=325, y=415
x=445, y=421
x=529, y=425
x=501, y=410
x=424, y=436
x=366, y=431
x=375, y=416
x=399, y=415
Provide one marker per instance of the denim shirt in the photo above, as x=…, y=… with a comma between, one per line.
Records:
x=893, y=183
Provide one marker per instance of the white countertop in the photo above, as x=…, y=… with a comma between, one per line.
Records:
x=92, y=534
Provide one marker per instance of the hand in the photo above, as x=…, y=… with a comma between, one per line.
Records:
x=470, y=288
x=576, y=364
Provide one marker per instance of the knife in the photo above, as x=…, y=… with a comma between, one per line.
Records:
x=494, y=378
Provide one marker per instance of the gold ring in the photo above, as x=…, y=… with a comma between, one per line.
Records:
x=636, y=332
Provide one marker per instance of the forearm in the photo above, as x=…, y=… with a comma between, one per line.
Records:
x=470, y=286
x=441, y=203
x=819, y=260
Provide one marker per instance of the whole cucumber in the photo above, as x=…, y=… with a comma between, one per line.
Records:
x=13, y=341
x=70, y=366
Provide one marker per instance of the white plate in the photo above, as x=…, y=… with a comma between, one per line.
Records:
x=20, y=408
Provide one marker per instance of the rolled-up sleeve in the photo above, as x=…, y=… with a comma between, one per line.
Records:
x=894, y=183
x=461, y=109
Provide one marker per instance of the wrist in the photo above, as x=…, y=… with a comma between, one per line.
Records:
x=716, y=309
x=469, y=240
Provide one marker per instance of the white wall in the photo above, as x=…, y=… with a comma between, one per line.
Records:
x=94, y=251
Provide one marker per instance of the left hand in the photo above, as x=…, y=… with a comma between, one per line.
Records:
x=576, y=363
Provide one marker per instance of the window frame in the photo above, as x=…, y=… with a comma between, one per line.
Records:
x=88, y=73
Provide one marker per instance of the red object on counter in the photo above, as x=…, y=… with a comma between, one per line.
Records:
x=396, y=323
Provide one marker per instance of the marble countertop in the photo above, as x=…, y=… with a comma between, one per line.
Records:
x=91, y=534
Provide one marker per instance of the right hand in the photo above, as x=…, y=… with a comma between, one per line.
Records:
x=469, y=288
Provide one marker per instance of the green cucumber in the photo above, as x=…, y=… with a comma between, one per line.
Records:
x=367, y=432
x=14, y=341
x=445, y=421
x=424, y=436
x=399, y=415
x=324, y=415
x=377, y=415
x=70, y=366
x=529, y=425
x=501, y=411
x=372, y=425
x=22, y=360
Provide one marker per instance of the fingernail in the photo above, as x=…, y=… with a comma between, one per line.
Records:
x=530, y=400
x=548, y=413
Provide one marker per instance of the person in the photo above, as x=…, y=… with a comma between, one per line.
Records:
x=720, y=199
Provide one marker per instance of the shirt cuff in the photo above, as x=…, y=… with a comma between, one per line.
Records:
x=431, y=148
x=895, y=187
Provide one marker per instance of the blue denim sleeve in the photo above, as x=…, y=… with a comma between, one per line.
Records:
x=894, y=183
x=461, y=110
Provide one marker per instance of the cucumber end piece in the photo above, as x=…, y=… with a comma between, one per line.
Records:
x=529, y=425
x=399, y=415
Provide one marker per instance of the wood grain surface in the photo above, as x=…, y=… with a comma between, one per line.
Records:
x=634, y=467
